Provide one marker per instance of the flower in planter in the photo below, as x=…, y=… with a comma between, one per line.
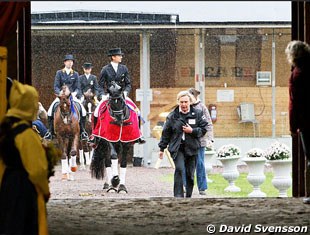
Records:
x=277, y=151
x=255, y=152
x=228, y=150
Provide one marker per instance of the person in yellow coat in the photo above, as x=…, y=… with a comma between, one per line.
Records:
x=24, y=188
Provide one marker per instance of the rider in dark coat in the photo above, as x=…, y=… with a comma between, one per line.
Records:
x=120, y=76
x=89, y=81
x=67, y=76
x=117, y=72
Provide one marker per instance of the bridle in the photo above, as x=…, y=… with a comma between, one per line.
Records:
x=116, y=95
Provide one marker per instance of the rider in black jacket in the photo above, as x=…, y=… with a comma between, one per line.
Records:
x=181, y=132
x=67, y=76
x=117, y=72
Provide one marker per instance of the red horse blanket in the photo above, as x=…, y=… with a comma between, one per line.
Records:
x=113, y=132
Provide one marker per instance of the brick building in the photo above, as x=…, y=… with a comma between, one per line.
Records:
x=232, y=54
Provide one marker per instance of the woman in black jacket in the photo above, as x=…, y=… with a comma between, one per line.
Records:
x=181, y=132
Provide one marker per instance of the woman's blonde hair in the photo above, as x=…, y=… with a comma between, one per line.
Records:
x=296, y=51
x=185, y=93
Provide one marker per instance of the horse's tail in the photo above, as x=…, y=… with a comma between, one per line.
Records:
x=97, y=166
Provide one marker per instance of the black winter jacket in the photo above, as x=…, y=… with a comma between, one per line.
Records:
x=172, y=132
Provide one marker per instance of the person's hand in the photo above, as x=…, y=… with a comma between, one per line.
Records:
x=74, y=94
x=82, y=98
x=105, y=97
x=161, y=155
x=187, y=128
x=125, y=94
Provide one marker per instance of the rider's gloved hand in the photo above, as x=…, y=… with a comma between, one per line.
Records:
x=105, y=97
x=125, y=94
x=74, y=94
x=82, y=99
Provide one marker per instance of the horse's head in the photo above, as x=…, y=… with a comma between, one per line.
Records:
x=115, y=90
x=89, y=102
x=88, y=94
x=118, y=107
x=65, y=91
x=89, y=98
x=65, y=104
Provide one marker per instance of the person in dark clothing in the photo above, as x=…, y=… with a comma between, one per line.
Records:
x=117, y=72
x=89, y=81
x=205, y=141
x=182, y=130
x=67, y=76
x=298, y=56
x=38, y=124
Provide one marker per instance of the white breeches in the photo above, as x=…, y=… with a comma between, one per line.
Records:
x=104, y=98
x=50, y=109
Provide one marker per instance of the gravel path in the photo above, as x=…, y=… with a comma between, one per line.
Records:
x=82, y=207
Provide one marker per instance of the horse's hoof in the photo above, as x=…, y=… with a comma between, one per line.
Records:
x=111, y=189
x=115, y=181
x=105, y=186
x=83, y=167
x=122, y=188
x=74, y=168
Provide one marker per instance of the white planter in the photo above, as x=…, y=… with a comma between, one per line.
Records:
x=282, y=178
x=230, y=172
x=256, y=175
x=209, y=160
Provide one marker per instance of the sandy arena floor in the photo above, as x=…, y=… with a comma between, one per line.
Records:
x=82, y=207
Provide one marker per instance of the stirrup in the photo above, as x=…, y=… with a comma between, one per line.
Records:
x=84, y=136
x=141, y=140
x=48, y=136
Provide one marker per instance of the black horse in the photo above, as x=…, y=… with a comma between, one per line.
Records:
x=85, y=150
x=107, y=153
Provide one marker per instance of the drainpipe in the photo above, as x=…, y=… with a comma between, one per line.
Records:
x=273, y=84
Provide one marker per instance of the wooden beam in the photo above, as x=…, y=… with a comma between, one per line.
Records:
x=166, y=108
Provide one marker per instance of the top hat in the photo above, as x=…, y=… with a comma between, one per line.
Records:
x=87, y=65
x=115, y=51
x=194, y=92
x=69, y=57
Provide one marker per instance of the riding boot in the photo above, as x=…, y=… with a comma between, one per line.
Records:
x=141, y=140
x=50, y=132
x=95, y=121
x=84, y=135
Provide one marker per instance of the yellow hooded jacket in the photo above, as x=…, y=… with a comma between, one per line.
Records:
x=23, y=102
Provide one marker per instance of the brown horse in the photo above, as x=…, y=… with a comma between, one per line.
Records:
x=85, y=150
x=67, y=130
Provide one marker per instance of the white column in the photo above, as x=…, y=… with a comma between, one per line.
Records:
x=200, y=62
x=145, y=81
